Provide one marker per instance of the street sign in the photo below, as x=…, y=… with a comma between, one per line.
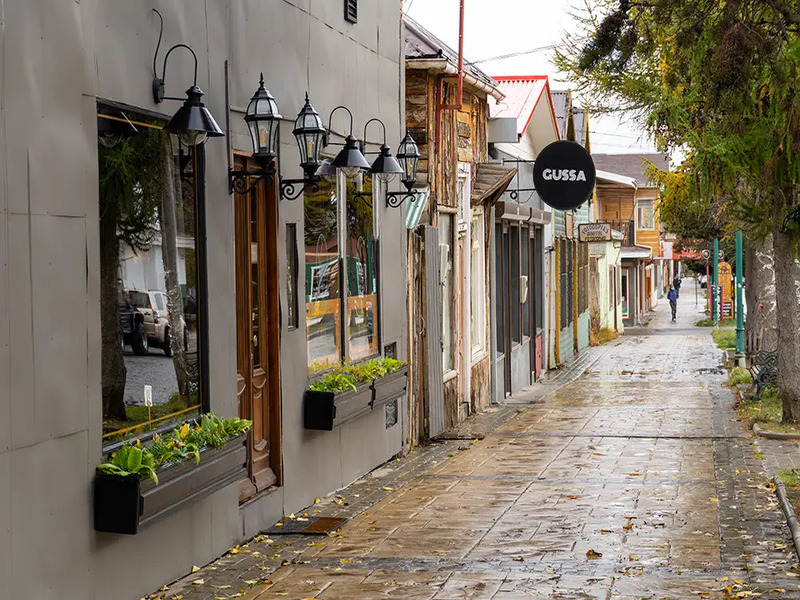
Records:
x=594, y=232
x=706, y=254
x=564, y=175
x=725, y=280
x=148, y=395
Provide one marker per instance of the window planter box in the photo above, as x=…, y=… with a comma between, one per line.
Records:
x=324, y=411
x=124, y=504
x=390, y=387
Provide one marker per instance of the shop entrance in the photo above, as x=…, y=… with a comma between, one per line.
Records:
x=258, y=333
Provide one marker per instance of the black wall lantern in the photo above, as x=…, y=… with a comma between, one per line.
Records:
x=263, y=122
x=193, y=122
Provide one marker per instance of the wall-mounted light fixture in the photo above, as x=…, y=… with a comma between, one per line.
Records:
x=193, y=122
x=263, y=119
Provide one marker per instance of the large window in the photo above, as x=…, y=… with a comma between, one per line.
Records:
x=500, y=287
x=646, y=214
x=514, y=274
x=446, y=247
x=362, y=274
x=478, y=285
x=323, y=286
x=151, y=278
x=340, y=236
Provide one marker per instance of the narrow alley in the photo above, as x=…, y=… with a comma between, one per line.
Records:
x=633, y=481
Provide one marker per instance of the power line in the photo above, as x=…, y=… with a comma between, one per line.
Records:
x=521, y=52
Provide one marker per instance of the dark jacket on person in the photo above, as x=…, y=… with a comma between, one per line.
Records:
x=677, y=283
x=672, y=295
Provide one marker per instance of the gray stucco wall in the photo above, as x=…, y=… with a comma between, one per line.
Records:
x=57, y=58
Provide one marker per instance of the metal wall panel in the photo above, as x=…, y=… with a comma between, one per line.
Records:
x=433, y=327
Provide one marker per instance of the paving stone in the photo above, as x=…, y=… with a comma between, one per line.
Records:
x=625, y=475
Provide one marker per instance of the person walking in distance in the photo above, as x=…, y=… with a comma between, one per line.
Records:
x=676, y=283
x=672, y=296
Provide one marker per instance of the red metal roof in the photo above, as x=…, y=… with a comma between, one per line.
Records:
x=523, y=93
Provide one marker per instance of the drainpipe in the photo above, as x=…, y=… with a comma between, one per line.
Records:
x=460, y=93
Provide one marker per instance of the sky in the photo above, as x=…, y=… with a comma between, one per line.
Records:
x=495, y=28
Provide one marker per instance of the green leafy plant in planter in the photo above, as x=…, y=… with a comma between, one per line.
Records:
x=181, y=444
x=345, y=377
x=131, y=460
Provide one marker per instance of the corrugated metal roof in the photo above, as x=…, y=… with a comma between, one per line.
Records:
x=581, y=119
x=491, y=181
x=522, y=97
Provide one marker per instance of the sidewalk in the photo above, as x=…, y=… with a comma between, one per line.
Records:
x=632, y=481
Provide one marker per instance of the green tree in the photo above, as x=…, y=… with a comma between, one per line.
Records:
x=717, y=79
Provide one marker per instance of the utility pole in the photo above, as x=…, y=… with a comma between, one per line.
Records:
x=739, y=303
x=714, y=291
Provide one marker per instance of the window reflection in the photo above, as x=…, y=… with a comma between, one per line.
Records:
x=323, y=324
x=149, y=314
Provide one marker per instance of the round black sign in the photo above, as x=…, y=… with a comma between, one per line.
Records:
x=564, y=175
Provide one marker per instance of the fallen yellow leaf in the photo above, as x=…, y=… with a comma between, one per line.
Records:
x=195, y=569
x=591, y=554
x=714, y=500
x=198, y=582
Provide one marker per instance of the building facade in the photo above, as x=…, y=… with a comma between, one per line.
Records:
x=449, y=253
x=284, y=288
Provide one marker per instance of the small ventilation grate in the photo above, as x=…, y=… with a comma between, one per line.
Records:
x=351, y=11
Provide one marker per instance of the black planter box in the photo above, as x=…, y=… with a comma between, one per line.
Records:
x=390, y=387
x=324, y=411
x=123, y=504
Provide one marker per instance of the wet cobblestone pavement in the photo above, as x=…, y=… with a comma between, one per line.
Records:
x=632, y=481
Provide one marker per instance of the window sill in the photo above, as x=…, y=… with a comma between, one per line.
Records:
x=449, y=375
x=478, y=356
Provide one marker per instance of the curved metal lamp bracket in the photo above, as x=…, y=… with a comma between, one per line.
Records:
x=397, y=199
x=290, y=190
x=364, y=141
x=241, y=182
x=159, y=82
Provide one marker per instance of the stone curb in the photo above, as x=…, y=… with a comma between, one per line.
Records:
x=788, y=511
x=774, y=435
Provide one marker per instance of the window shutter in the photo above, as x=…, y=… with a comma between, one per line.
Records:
x=351, y=11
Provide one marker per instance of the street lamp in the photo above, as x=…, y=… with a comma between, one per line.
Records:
x=408, y=155
x=385, y=166
x=309, y=133
x=263, y=120
x=350, y=159
x=193, y=122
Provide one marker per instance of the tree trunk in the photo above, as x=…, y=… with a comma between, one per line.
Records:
x=787, y=288
x=760, y=289
x=112, y=361
x=169, y=254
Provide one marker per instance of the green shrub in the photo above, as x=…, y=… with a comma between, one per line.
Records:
x=739, y=375
x=336, y=382
x=130, y=460
x=725, y=338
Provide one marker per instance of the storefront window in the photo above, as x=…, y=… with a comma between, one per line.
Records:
x=291, y=275
x=323, y=306
x=362, y=276
x=516, y=307
x=150, y=308
x=446, y=247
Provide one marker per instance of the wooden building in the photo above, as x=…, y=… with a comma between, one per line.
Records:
x=449, y=252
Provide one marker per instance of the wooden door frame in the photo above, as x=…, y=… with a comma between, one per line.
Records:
x=269, y=302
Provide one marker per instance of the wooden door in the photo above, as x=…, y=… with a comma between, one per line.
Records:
x=258, y=332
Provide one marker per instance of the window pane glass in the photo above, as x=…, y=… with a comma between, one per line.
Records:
x=149, y=311
x=526, y=271
x=500, y=282
x=323, y=308
x=446, y=247
x=362, y=276
x=291, y=275
x=515, y=274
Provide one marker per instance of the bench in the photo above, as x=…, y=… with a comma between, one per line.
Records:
x=764, y=370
